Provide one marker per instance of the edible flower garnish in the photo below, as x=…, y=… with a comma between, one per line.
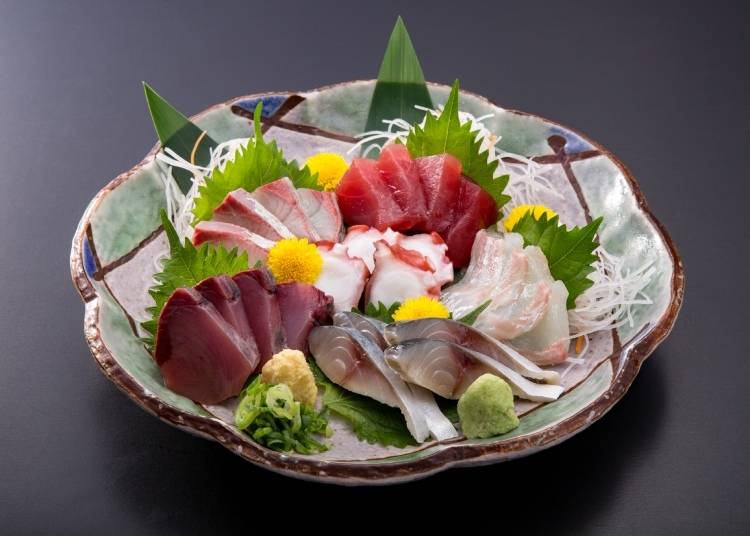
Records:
x=330, y=167
x=273, y=418
x=422, y=307
x=295, y=259
x=521, y=210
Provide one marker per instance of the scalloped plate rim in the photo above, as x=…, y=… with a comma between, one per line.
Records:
x=362, y=472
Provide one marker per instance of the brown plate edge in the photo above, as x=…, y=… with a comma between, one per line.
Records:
x=357, y=473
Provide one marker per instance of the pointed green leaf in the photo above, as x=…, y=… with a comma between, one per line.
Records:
x=400, y=83
x=256, y=163
x=446, y=134
x=569, y=252
x=179, y=134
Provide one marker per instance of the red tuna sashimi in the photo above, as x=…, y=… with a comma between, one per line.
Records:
x=240, y=208
x=324, y=213
x=365, y=199
x=281, y=199
x=440, y=176
x=233, y=236
x=200, y=354
x=399, y=171
x=475, y=210
x=262, y=311
x=225, y=295
x=302, y=308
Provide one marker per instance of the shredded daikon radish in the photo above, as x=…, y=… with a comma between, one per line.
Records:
x=179, y=205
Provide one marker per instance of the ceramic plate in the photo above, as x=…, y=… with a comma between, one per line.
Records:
x=119, y=237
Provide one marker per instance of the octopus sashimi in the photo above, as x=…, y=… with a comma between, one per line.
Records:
x=448, y=369
x=500, y=272
x=443, y=329
x=433, y=248
x=233, y=236
x=343, y=277
x=399, y=274
x=361, y=239
x=323, y=211
x=200, y=354
x=280, y=198
x=240, y=208
x=353, y=361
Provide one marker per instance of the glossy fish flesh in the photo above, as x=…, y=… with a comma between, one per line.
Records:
x=353, y=361
x=448, y=369
x=443, y=329
x=200, y=354
x=233, y=236
x=240, y=208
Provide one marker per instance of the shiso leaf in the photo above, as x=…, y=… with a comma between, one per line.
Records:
x=187, y=266
x=370, y=420
x=380, y=311
x=179, y=134
x=257, y=163
x=400, y=84
x=569, y=252
x=446, y=134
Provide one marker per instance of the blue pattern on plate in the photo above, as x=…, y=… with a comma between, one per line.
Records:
x=89, y=264
x=575, y=144
x=271, y=103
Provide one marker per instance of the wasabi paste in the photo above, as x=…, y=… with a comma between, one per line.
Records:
x=486, y=408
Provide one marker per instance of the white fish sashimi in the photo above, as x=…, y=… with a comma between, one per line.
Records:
x=448, y=369
x=342, y=277
x=526, y=304
x=547, y=343
x=444, y=329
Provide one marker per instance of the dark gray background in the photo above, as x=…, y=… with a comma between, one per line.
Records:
x=664, y=87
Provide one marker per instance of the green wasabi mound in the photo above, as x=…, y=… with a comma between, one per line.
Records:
x=486, y=408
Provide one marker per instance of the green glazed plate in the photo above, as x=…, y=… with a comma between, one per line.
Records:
x=119, y=237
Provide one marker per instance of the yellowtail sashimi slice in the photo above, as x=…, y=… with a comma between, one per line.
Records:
x=443, y=329
x=448, y=369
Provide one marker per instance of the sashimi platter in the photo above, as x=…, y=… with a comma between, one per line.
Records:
x=374, y=281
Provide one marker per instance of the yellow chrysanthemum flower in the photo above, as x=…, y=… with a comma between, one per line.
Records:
x=520, y=211
x=330, y=167
x=295, y=259
x=422, y=307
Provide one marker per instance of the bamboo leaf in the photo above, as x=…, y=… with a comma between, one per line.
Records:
x=179, y=134
x=400, y=83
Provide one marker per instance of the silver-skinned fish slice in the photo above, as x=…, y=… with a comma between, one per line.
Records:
x=353, y=361
x=369, y=327
x=444, y=329
x=448, y=369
